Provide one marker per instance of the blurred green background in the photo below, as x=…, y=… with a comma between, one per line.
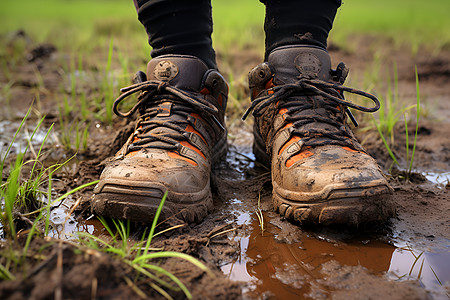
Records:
x=237, y=23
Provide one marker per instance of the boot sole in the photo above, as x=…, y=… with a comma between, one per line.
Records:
x=140, y=204
x=359, y=207
x=143, y=208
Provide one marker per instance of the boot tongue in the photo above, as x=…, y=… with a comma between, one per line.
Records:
x=292, y=63
x=181, y=71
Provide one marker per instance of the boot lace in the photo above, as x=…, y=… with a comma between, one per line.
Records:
x=292, y=97
x=154, y=94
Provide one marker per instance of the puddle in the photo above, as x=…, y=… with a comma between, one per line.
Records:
x=432, y=268
x=273, y=268
x=65, y=226
x=71, y=227
x=293, y=270
x=440, y=179
x=240, y=160
x=22, y=139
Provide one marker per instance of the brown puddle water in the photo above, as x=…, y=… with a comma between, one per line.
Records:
x=280, y=270
x=285, y=262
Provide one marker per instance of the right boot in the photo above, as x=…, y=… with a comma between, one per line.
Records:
x=179, y=135
x=321, y=175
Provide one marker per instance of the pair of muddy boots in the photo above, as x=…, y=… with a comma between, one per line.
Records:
x=320, y=173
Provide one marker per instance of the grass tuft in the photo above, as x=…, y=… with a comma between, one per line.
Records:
x=21, y=195
x=139, y=255
x=389, y=116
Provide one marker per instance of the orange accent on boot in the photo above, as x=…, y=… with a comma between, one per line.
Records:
x=297, y=157
x=205, y=91
x=189, y=128
x=197, y=116
x=187, y=144
x=288, y=125
x=288, y=143
x=220, y=100
x=173, y=154
x=269, y=84
x=255, y=93
x=350, y=149
x=282, y=111
x=135, y=137
x=131, y=154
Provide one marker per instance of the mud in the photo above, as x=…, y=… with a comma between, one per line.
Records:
x=283, y=261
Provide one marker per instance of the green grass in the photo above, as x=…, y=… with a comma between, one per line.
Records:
x=18, y=192
x=27, y=183
x=70, y=22
x=105, y=38
x=414, y=22
x=22, y=200
x=22, y=190
x=140, y=255
x=387, y=120
x=236, y=23
x=14, y=192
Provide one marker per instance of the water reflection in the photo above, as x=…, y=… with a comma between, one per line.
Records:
x=68, y=229
x=432, y=269
x=440, y=179
x=281, y=270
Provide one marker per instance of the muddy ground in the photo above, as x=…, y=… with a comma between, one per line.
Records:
x=285, y=261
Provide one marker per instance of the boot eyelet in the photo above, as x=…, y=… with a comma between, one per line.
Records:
x=262, y=74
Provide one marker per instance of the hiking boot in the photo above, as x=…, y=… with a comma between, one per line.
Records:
x=320, y=172
x=179, y=134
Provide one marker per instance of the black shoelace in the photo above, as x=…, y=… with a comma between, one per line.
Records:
x=150, y=104
x=289, y=94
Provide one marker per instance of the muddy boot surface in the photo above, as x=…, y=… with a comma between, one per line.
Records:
x=320, y=172
x=179, y=135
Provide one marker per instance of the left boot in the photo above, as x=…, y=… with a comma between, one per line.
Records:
x=179, y=136
x=320, y=172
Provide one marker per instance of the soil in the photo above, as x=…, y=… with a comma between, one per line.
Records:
x=283, y=260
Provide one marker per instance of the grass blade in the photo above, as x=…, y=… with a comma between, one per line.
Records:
x=161, y=291
x=105, y=224
x=407, y=139
x=165, y=254
x=415, y=261
x=420, y=270
x=63, y=196
x=436, y=275
x=155, y=221
x=391, y=154
x=417, y=121
x=5, y=274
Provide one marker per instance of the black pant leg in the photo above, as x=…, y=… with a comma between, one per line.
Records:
x=292, y=22
x=178, y=27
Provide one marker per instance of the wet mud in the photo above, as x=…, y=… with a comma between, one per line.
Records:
x=253, y=259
